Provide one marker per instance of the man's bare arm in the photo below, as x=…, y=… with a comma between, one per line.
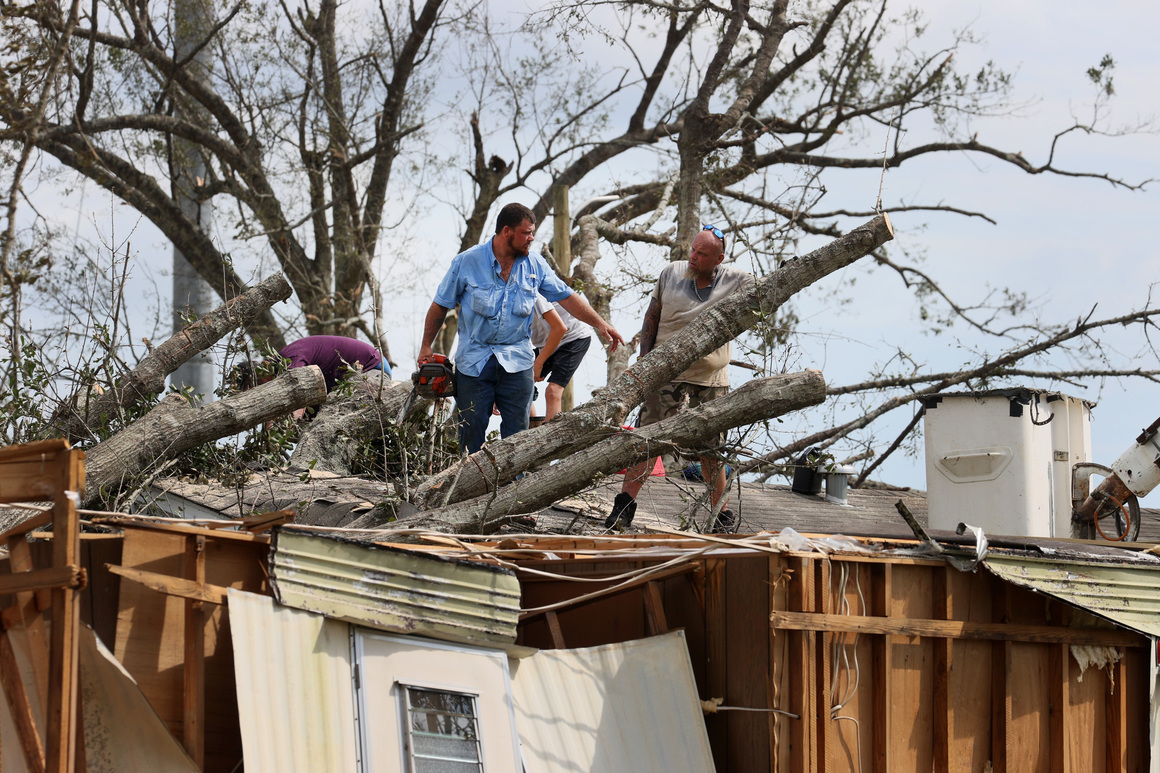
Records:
x=578, y=307
x=648, y=331
x=435, y=316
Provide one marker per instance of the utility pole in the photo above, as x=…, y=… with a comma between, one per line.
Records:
x=192, y=295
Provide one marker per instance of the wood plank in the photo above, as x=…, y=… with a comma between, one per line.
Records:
x=654, y=608
x=266, y=521
x=64, y=653
x=1000, y=674
x=1117, y=718
x=943, y=716
x=912, y=662
x=21, y=711
x=150, y=624
x=809, y=709
x=194, y=666
x=39, y=579
x=27, y=606
x=882, y=669
x=746, y=656
x=1059, y=676
x=173, y=586
x=553, y=621
x=852, y=709
x=1029, y=688
x=129, y=522
x=25, y=452
x=1086, y=718
x=716, y=652
x=956, y=629
x=777, y=685
x=823, y=587
x=86, y=536
x=969, y=683
x=32, y=481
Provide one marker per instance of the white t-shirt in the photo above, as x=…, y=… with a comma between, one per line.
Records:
x=681, y=302
x=540, y=329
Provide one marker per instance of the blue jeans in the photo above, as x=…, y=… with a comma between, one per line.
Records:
x=475, y=395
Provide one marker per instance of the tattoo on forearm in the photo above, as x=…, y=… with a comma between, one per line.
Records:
x=648, y=332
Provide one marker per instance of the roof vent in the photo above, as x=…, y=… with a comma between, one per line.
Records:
x=806, y=478
x=837, y=483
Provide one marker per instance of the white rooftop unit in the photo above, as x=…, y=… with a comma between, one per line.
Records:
x=1002, y=460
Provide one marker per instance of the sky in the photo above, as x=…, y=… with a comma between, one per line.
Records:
x=1072, y=244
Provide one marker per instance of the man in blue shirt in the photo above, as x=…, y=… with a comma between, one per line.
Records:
x=495, y=285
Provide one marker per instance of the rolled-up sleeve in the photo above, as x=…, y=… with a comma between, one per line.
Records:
x=450, y=289
x=551, y=286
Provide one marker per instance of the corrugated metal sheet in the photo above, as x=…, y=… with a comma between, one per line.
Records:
x=395, y=590
x=1125, y=594
x=295, y=687
x=631, y=706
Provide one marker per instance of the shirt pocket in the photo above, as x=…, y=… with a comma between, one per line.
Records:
x=525, y=300
x=485, y=301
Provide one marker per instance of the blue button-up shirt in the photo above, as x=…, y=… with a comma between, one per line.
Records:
x=495, y=317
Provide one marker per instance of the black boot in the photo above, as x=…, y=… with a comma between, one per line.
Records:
x=623, y=509
x=725, y=522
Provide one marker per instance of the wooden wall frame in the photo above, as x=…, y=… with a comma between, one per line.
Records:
x=48, y=470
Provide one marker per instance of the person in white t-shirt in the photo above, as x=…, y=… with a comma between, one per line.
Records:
x=684, y=290
x=559, y=350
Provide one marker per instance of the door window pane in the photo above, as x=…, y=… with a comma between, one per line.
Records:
x=442, y=733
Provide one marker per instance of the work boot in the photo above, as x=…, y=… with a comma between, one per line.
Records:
x=725, y=522
x=623, y=509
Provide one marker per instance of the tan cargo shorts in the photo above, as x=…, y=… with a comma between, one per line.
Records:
x=674, y=397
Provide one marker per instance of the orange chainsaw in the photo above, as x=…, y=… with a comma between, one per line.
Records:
x=435, y=379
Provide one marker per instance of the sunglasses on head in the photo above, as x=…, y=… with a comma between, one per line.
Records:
x=716, y=232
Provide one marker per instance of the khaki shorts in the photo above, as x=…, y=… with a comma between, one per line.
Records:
x=675, y=397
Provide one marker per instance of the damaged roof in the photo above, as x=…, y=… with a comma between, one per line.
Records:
x=324, y=499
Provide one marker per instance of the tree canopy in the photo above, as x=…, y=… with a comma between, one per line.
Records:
x=327, y=131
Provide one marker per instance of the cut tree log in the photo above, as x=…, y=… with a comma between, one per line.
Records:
x=174, y=426
x=501, y=460
x=330, y=442
x=87, y=409
x=755, y=400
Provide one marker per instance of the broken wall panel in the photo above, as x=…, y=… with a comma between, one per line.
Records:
x=150, y=635
x=967, y=673
x=98, y=599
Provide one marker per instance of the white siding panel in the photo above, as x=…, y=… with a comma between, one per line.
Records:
x=631, y=706
x=295, y=687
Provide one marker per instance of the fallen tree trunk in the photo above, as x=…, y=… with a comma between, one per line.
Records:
x=330, y=441
x=503, y=459
x=756, y=400
x=174, y=426
x=87, y=409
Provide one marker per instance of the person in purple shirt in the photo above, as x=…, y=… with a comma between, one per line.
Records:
x=495, y=286
x=335, y=356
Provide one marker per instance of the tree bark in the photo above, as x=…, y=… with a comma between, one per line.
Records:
x=329, y=442
x=79, y=415
x=174, y=426
x=754, y=401
x=504, y=459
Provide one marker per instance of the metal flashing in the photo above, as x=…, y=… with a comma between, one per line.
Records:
x=395, y=590
x=1127, y=595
